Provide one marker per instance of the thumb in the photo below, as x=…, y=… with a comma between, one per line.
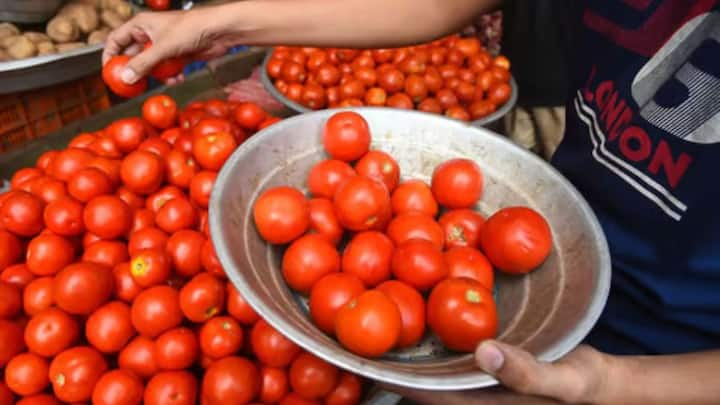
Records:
x=518, y=370
x=142, y=63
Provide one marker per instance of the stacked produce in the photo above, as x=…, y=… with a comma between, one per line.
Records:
x=78, y=24
x=454, y=76
x=110, y=289
x=382, y=259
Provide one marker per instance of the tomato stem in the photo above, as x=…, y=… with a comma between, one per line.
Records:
x=473, y=296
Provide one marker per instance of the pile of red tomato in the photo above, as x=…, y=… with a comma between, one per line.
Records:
x=110, y=289
x=403, y=268
x=454, y=76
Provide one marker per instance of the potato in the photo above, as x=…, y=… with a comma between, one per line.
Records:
x=111, y=19
x=46, y=48
x=70, y=46
x=4, y=57
x=22, y=48
x=84, y=16
x=98, y=36
x=63, y=29
x=8, y=41
x=36, y=37
x=8, y=30
x=119, y=7
x=96, y=4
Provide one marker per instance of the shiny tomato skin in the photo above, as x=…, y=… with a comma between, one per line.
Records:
x=48, y=254
x=391, y=80
x=462, y=313
x=325, y=177
x=210, y=261
x=220, y=337
x=23, y=175
x=307, y=260
x=22, y=214
x=457, y=183
x=147, y=238
x=112, y=73
x=12, y=337
x=10, y=249
x=128, y=133
x=158, y=147
x=132, y=199
x=347, y=392
x=109, y=328
x=38, y=295
x=323, y=220
x=106, y=252
x=231, y=380
x=369, y=325
x=68, y=162
x=74, y=372
x=311, y=377
x=282, y=214
x=160, y=111
x=419, y=263
x=249, y=115
x=142, y=218
x=202, y=298
x=201, y=186
x=368, y=256
x=142, y=172
x=139, y=357
x=380, y=166
x=212, y=150
x=176, y=215
x=108, y=217
x=82, y=287
x=330, y=294
x=295, y=399
x=184, y=248
x=270, y=347
x=89, y=183
x=176, y=349
x=414, y=196
x=27, y=374
x=516, y=240
x=466, y=262
x=17, y=275
x=412, y=311
x=400, y=100
x=156, y=310
x=50, y=331
x=239, y=308
x=125, y=287
x=118, y=387
x=346, y=136
x=171, y=387
x=361, y=203
x=157, y=200
x=274, y=385
x=462, y=227
x=415, y=225
x=180, y=168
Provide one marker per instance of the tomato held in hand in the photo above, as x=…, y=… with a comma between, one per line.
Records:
x=462, y=314
x=420, y=263
x=346, y=136
x=325, y=177
x=362, y=203
x=415, y=225
x=156, y=310
x=457, y=183
x=516, y=239
x=112, y=76
x=369, y=325
x=220, y=337
x=307, y=260
x=74, y=372
x=160, y=111
x=270, y=347
x=462, y=227
x=171, y=387
x=368, y=256
x=118, y=387
x=469, y=263
x=109, y=328
x=82, y=287
x=281, y=214
x=27, y=374
x=329, y=294
x=412, y=311
x=231, y=380
x=50, y=331
x=312, y=377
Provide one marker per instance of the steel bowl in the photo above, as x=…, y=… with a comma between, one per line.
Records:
x=547, y=312
x=491, y=121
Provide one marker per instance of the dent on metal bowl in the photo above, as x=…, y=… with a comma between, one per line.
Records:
x=547, y=312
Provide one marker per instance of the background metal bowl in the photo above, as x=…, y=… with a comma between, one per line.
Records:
x=547, y=312
x=28, y=11
x=491, y=121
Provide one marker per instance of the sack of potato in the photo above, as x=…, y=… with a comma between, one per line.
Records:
x=78, y=24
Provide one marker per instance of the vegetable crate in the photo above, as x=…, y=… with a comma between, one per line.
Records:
x=33, y=114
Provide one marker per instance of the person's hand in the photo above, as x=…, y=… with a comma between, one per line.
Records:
x=177, y=33
x=577, y=378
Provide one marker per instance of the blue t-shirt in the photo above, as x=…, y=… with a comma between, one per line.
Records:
x=643, y=146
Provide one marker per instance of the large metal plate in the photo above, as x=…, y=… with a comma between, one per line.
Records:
x=547, y=312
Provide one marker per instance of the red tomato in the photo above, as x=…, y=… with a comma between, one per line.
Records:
x=323, y=220
x=23, y=175
x=74, y=372
x=420, y=263
x=380, y=166
x=68, y=162
x=127, y=133
x=295, y=399
x=500, y=74
x=139, y=357
x=481, y=108
x=175, y=215
x=82, y=287
x=218, y=108
x=361, y=203
x=368, y=256
x=210, y=261
x=133, y=200
x=109, y=328
x=47, y=254
x=329, y=294
x=415, y=87
x=108, y=217
x=499, y=93
x=118, y=387
x=469, y=263
x=325, y=177
x=45, y=160
x=220, y=337
x=462, y=313
x=462, y=227
x=110, y=167
x=147, y=238
x=412, y=311
x=273, y=385
x=376, y=97
x=184, y=248
x=346, y=136
x=22, y=214
x=10, y=248
x=415, y=225
x=160, y=111
x=281, y=214
x=238, y=307
x=249, y=115
x=270, y=347
x=36, y=296
x=212, y=150
x=27, y=374
x=391, y=80
x=516, y=239
x=313, y=96
x=171, y=387
x=457, y=183
x=307, y=260
x=400, y=100
x=328, y=75
x=180, y=168
x=112, y=73
x=156, y=310
x=17, y=275
x=311, y=377
x=202, y=298
x=48, y=189
x=106, y=252
x=10, y=300
x=156, y=200
x=64, y=217
x=347, y=391
x=369, y=325
x=49, y=332
x=11, y=334
x=231, y=380
x=150, y=267
x=143, y=172
x=176, y=349
x=126, y=288
x=200, y=187
x=430, y=105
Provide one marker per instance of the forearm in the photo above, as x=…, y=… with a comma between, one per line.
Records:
x=671, y=379
x=344, y=23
